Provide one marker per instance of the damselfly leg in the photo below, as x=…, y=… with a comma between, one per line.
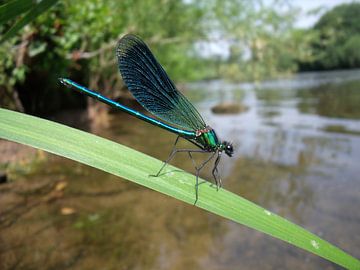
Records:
x=197, y=168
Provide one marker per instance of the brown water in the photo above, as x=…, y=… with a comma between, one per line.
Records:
x=297, y=154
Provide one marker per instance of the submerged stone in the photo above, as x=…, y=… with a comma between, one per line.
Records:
x=229, y=108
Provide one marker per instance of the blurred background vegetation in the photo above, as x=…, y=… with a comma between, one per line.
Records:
x=44, y=40
x=297, y=138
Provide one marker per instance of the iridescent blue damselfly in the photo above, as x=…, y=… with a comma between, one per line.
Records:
x=153, y=89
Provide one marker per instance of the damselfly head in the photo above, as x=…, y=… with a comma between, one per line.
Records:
x=228, y=148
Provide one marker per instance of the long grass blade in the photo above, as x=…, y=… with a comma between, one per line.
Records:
x=137, y=167
x=31, y=15
x=11, y=9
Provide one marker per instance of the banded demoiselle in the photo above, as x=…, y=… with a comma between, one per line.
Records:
x=153, y=89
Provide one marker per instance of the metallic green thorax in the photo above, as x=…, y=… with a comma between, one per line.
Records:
x=208, y=139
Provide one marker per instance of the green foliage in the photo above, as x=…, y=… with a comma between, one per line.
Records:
x=15, y=50
x=80, y=37
x=344, y=18
x=10, y=74
x=351, y=52
x=265, y=43
x=11, y=9
x=337, y=45
x=77, y=39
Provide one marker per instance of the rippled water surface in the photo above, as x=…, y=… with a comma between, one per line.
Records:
x=297, y=154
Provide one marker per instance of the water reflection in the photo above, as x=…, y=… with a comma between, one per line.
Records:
x=293, y=156
x=296, y=161
x=340, y=101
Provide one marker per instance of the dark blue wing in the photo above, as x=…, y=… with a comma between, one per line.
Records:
x=152, y=88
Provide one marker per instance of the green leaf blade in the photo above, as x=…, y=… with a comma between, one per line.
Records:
x=14, y=8
x=31, y=15
x=137, y=167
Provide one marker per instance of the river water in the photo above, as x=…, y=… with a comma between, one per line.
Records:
x=297, y=154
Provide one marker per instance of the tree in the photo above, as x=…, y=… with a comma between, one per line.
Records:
x=339, y=39
x=263, y=42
